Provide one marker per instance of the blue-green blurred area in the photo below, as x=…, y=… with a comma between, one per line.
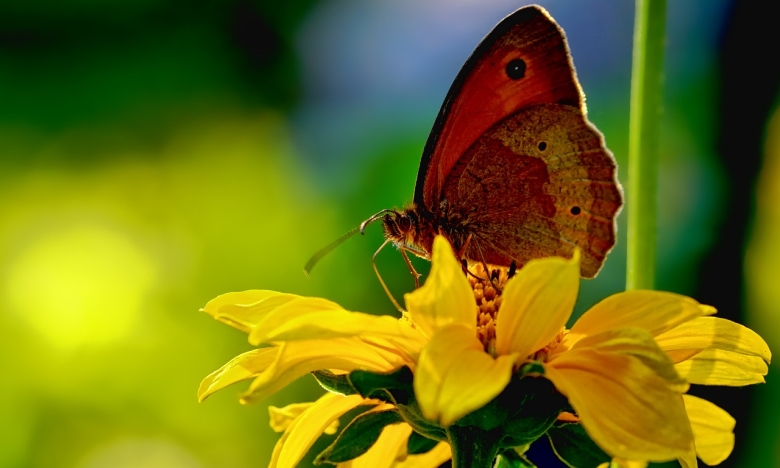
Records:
x=155, y=154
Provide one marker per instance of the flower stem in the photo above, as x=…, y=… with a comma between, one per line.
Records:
x=643, y=136
x=472, y=447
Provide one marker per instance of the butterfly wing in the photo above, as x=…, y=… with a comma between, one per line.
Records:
x=537, y=184
x=523, y=61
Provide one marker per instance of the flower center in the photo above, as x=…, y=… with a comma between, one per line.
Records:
x=487, y=286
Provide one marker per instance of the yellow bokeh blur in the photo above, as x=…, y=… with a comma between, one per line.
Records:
x=80, y=285
x=102, y=272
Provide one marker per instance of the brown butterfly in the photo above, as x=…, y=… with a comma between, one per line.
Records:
x=512, y=170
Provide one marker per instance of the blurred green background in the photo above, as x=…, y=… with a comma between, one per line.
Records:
x=155, y=154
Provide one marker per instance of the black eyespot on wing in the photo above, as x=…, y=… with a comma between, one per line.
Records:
x=515, y=69
x=542, y=145
x=575, y=210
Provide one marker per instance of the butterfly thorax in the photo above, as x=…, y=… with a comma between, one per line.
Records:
x=413, y=229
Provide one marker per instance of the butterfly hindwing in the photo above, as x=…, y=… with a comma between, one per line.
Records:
x=538, y=184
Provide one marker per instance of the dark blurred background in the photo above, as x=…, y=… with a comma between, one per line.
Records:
x=155, y=154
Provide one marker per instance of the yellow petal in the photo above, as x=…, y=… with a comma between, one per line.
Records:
x=654, y=311
x=431, y=459
x=455, y=376
x=715, y=351
x=636, y=464
x=536, y=304
x=298, y=358
x=306, y=428
x=717, y=333
x=627, y=408
x=446, y=296
x=244, y=309
x=278, y=314
x=244, y=366
x=281, y=418
x=681, y=355
x=713, y=429
x=618, y=463
x=689, y=459
x=718, y=367
x=383, y=454
x=287, y=324
x=636, y=343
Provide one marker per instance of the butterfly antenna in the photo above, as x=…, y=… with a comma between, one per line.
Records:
x=381, y=281
x=373, y=218
x=327, y=249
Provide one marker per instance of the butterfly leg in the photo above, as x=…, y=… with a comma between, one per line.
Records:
x=411, y=269
x=490, y=274
x=462, y=251
x=381, y=281
x=465, y=264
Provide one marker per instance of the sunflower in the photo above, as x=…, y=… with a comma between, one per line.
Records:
x=485, y=363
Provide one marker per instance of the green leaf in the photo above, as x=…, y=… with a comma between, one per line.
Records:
x=473, y=447
x=359, y=436
x=397, y=383
x=574, y=446
x=525, y=409
x=511, y=459
x=418, y=444
x=412, y=415
x=334, y=383
x=538, y=408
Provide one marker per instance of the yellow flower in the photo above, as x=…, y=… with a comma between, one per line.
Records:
x=705, y=350
x=615, y=377
x=624, y=366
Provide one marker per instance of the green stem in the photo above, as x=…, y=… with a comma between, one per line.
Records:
x=643, y=136
x=472, y=447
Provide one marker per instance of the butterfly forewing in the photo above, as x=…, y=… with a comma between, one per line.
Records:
x=523, y=61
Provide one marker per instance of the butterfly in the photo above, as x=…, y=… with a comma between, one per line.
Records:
x=512, y=169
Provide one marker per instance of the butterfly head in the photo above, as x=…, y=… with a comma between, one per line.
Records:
x=408, y=228
x=398, y=227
